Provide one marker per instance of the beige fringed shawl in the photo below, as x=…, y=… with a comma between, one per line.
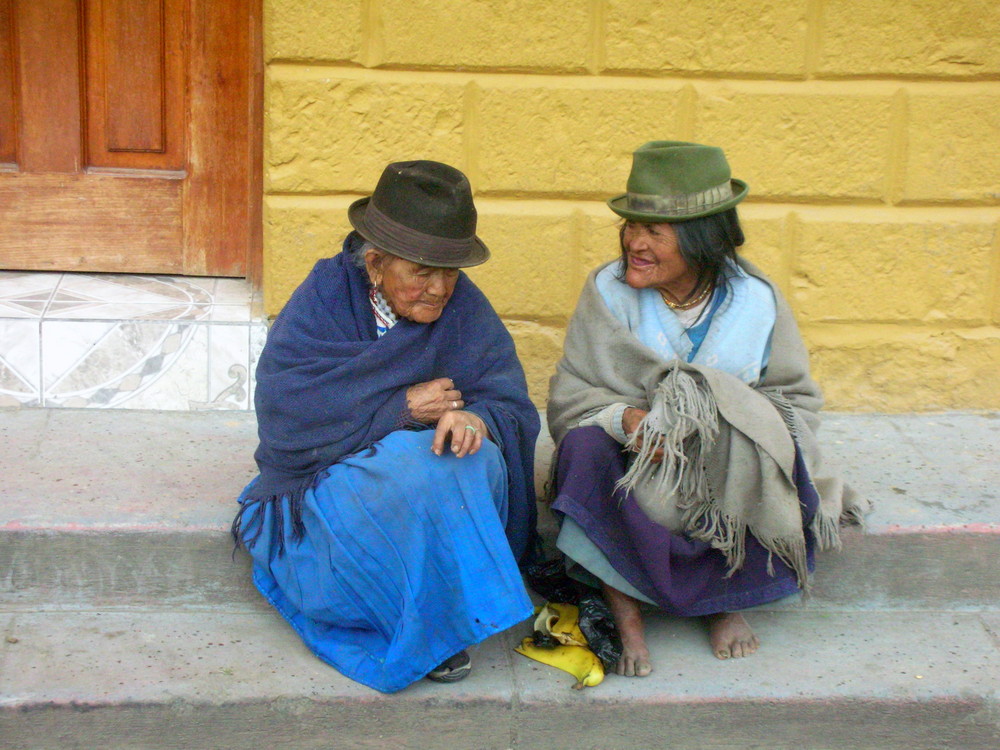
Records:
x=728, y=448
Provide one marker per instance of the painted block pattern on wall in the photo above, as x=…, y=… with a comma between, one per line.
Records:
x=919, y=38
x=706, y=37
x=869, y=134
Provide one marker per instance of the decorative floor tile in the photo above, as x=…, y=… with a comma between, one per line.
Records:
x=231, y=292
x=181, y=383
x=229, y=363
x=127, y=341
x=109, y=363
x=26, y=295
x=229, y=314
x=112, y=296
x=258, y=335
x=141, y=289
x=19, y=362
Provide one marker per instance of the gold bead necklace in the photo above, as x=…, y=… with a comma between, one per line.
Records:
x=686, y=305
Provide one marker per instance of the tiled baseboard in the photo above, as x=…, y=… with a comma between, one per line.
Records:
x=127, y=342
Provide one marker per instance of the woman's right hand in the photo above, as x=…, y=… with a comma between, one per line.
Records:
x=430, y=401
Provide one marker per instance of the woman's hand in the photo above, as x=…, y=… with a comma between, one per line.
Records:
x=466, y=429
x=631, y=418
x=430, y=401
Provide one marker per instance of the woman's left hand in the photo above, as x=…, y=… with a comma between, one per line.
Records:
x=631, y=419
x=466, y=431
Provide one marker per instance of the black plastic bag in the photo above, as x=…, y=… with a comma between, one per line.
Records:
x=598, y=626
x=548, y=579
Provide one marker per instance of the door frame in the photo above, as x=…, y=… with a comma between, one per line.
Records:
x=216, y=120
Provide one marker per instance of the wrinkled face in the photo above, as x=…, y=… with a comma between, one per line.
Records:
x=654, y=259
x=415, y=292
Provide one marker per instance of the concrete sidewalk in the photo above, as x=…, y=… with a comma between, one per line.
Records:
x=127, y=623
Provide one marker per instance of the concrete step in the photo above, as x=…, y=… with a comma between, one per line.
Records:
x=155, y=679
x=126, y=623
x=120, y=508
x=105, y=508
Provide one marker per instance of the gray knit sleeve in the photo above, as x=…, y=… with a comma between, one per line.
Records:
x=609, y=419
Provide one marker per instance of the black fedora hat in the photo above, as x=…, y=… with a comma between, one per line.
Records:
x=422, y=211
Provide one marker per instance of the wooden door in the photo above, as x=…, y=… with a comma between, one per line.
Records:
x=129, y=136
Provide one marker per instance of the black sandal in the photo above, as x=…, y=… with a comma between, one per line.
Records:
x=452, y=670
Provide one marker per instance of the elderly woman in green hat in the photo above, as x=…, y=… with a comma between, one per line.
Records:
x=687, y=475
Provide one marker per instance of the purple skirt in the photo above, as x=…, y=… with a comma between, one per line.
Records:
x=683, y=576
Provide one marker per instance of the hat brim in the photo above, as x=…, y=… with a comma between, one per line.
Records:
x=424, y=251
x=619, y=205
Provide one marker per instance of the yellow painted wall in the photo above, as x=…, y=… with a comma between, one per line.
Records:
x=869, y=132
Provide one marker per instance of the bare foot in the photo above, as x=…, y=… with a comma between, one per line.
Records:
x=730, y=636
x=635, y=655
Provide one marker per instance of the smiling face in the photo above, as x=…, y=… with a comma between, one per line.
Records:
x=415, y=292
x=654, y=259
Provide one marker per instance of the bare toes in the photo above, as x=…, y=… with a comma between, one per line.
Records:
x=731, y=636
x=633, y=667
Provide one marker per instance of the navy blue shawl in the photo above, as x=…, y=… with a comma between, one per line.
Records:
x=328, y=387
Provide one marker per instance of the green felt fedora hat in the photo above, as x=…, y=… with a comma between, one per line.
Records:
x=422, y=211
x=676, y=181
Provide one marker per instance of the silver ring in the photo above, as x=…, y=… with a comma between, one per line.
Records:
x=454, y=404
x=470, y=427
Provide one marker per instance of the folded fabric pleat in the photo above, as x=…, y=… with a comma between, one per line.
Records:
x=405, y=564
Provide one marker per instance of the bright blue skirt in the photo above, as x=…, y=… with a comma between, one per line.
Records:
x=404, y=561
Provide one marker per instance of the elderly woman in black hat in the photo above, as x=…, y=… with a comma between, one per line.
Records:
x=688, y=475
x=395, y=493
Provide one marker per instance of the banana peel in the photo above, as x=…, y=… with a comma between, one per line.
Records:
x=561, y=621
x=579, y=661
x=572, y=654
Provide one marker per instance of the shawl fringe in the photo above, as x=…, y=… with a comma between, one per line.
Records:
x=257, y=505
x=854, y=515
x=827, y=532
x=785, y=410
x=706, y=522
x=683, y=422
x=248, y=533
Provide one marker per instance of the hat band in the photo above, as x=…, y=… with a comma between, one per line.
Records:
x=384, y=229
x=681, y=204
